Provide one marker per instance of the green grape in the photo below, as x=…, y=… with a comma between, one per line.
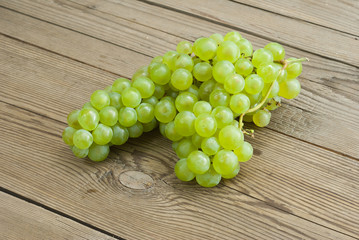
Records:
x=225, y=162
x=202, y=71
x=273, y=103
x=217, y=37
x=108, y=89
x=276, y=49
x=145, y=86
x=184, y=47
x=162, y=127
x=196, y=140
x=145, y=112
x=182, y=171
x=273, y=92
x=248, y=118
x=131, y=97
x=98, y=153
x=172, y=93
x=230, y=137
x=229, y=51
x=143, y=71
x=169, y=58
x=88, y=118
x=193, y=89
x=254, y=98
x=115, y=100
x=198, y=162
x=245, y=47
x=253, y=84
x=88, y=105
x=293, y=69
x=261, y=56
x=282, y=77
x=153, y=65
x=135, y=130
x=223, y=116
x=196, y=60
x=222, y=70
x=184, y=123
x=100, y=99
x=147, y=127
x=209, y=179
x=185, y=101
x=244, y=152
x=239, y=103
x=233, y=36
x=289, y=89
x=157, y=59
x=235, y=123
x=184, y=61
x=214, y=61
x=210, y=146
x=261, y=118
x=219, y=98
x=120, y=84
x=268, y=72
x=205, y=89
x=72, y=119
x=181, y=79
x=171, y=132
x=233, y=174
x=201, y=107
x=67, y=135
x=127, y=116
x=102, y=134
x=234, y=84
x=165, y=111
x=80, y=153
x=185, y=147
x=120, y=135
x=169, y=98
x=205, y=125
x=160, y=74
x=219, y=86
x=205, y=48
x=175, y=145
x=243, y=67
x=151, y=100
x=109, y=115
x=82, y=139
x=159, y=91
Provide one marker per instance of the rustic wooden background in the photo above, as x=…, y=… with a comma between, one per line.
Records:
x=302, y=182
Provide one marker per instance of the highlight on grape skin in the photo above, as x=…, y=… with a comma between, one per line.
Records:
x=199, y=96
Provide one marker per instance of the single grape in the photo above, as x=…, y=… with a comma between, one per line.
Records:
x=254, y=98
x=276, y=49
x=145, y=86
x=88, y=105
x=248, y=118
x=109, y=116
x=185, y=101
x=268, y=72
x=131, y=97
x=219, y=98
x=283, y=75
x=289, y=89
x=198, y=162
x=98, y=153
x=102, y=134
x=223, y=116
x=135, y=130
x=230, y=137
x=196, y=140
x=127, y=116
x=235, y=123
x=229, y=51
x=145, y=112
x=143, y=71
x=202, y=71
x=222, y=70
x=185, y=123
x=72, y=119
x=184, y=47
x=151, y=100
x=169, y=58
x=205, y=125
x=217, y=37
x=182, y=171
x=80, y=153
x=165, y=111
x=100, y=99
x=201, y=107
x=261, y=56
x=261, y=118
x=159, y=91
x=233, y=36
x=115, y=100
x=245, y=47
x=162, y=127
x=157, y=59
x=120, y=84
x=233, y=174
x=160, y=74
x=175, y=145
x=88, y=118
x=185, y=147
x=253, y=84
x=147, y=127
x=67, y=135
x=219, y=86
x=234, y=84
x=169, y=98
x=273, y=92
x=244, y=152
x=171, y=132
x=209, y=179
x=294, y=69
x=205, y=89
x=273, y=103
x=82, y=139
x=225, y=162
x=184, y=61
x=193, y=89
x=243, y=67
x=205, y=48
x=239, y=103
x=120, y=135
x=181, y=79
x=210, y=146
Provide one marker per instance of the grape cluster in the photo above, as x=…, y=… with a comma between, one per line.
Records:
x=199, y=95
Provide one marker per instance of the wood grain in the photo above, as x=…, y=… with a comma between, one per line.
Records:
x=316, y=116
x=22, y=220
x=310, y=190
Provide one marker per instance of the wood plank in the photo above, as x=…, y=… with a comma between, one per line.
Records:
x=289, y=183
x=321, y=13
x=22, y=220
x=328, y=100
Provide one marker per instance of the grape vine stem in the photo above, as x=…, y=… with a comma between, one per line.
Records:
x=285, y=65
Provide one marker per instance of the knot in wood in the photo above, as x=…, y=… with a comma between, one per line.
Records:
x=136, y=180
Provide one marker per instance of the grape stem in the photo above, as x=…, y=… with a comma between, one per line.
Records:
x=285, y=65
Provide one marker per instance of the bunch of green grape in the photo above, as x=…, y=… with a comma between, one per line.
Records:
x=199, y=95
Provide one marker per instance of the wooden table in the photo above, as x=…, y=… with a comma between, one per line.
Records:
x=302, y=182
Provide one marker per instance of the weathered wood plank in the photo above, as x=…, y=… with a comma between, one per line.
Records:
x=328, y=99
x=286, y=178
x=22, y=220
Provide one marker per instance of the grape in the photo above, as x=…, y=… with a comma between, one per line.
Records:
x=171, y=132
x=293, y=69
x=145, y=112
x=143, y=71
x=219, y=98
x=162, y=127
x=147, y=127
x=135, y=130
x=88, y=118
x=172, y=92
x=67, y=135
x=185, y=147
x=131, y=97
x=254, y=98
x=169, y=58
x=181, y=79
x=198, y=162
x=209, y=179
x=230, y=137
x=194, y=89
x=182, y=171
x=205, y=48
x=165, y=111
x=72, y=119
x=202, y=71
x=196, y=140
x=160, y=74
x=80, y=153
x=169, y=98
x=120, y=84
x=82, y=139
x=210, y=146
x=115, y=100
x=234, y=84
x=233, y=174
x=239, y=103
x=229, y=51
x=261, y=118
x=201, y=107
x=273, y=92
x=145, y=86
x=244, y=152
x=185, y=123
x=159, y=91
x=217, y=37
x=261, y=56
x=235, y=123
x=120, y=135
x=248, y=118
x=273, y=103
x=205, y=125
x=245, y=47
x=232, y=36
x=184, y=47
x=289, y=89
x=151, y=100
x=268, y=72
x=282, y=77
x=223, y=116
x=88, y=105
x=98, y=153
x=243, y=67
x=225, y=162
x=206, y=88
x=127, y=116
x=184, y=61
x=109, y=115
x=253, y=84
x=102, y=134
x=175, y=145
x=100, y=99
x=219, y=86
x=276, y=49
x=222, y=70
x=185, y=101
x=157, y=59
